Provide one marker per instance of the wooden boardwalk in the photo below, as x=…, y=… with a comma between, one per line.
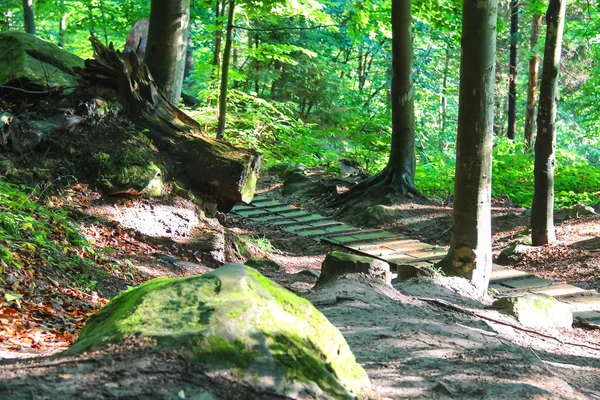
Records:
x=399, y=250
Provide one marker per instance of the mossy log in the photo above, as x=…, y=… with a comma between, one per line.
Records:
x=222, y=172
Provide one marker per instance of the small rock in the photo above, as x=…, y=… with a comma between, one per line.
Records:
x=376, y=215
x=408, y=271
x=310, y=272
x=536, y=310
x=11, y=280
x=338, y=264
x=348, y=169
x=264, y=264
x=443, y=388
x=581, y=210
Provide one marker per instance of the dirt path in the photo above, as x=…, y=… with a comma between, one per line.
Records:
x=409, y=348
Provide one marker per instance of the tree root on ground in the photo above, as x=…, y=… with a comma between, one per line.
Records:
x=383, y=188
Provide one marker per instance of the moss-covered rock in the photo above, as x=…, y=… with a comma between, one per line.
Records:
x=131, y=167
x=235, y=319
x=536, y=310
x=343, y=265
x=376, y=215
x=27, y=58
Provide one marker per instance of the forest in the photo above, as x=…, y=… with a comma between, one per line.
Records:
x=306, y=199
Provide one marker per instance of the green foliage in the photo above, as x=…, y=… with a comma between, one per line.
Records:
x=31, y=233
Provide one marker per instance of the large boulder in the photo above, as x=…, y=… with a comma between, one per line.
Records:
x=31, y=63
x=349, y=266
x=235, y=320
x=536, y=310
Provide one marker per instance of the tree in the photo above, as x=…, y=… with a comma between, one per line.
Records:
x=225, y=72
x=397, y=178
x=512, y=73
x=532, y=84
x=470, y=253
x=542, y=210
x=166, y=46
x=28, y=16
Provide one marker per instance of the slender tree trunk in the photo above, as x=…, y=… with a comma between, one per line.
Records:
x=166, y=45
x=398, y=177
x=104, y=23
x=219, y=8
x=189, y=58
x=225, y=73
x=28, y=16
x=542, y=210
x=256, y=64
x=532, y=84
x=512, y=73
x=470, y=253
x=62, y=27
x=444, y=96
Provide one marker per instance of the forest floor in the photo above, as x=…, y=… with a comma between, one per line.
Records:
x=410, y=348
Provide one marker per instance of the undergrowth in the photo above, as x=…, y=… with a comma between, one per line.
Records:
x=364, y=136
x=33, y=236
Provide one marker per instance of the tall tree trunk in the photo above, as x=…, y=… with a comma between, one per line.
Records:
x=29, y=19
x=166, y=46
x=398, y=177
x=532, y=84
x=189, y=58
x=542, y=210
x=225, y=72
x=444, y=96
x=62, y=27
x=470, y=253
x=512, y=72
x=219, y=9
x=104, y=23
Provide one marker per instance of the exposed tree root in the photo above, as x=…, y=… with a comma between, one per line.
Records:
x=383, y=188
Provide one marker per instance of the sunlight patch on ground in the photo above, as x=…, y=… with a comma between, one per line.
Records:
x=152, y=219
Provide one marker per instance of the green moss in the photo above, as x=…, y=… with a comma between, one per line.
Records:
x=233, y=319
x=28, y=58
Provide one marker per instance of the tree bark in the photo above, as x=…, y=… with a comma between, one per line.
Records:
x=225, y=71
x=398, y=177
x=189, y=58
x=219, y=9
x=512, y=72
x=28, y=16
x=444, y=96
x=470, y=253
x=532, y=84
x=104, y=28
x=166, y=46
x=542, y=210
x=216, y=169
x=62, y=27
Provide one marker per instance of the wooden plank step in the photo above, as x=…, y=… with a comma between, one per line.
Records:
x=286, y=222
x=268, y=218
x=366, y=235
x=387, y=244
x=312, y=217
x=499, y=275
x=407, y=246
x=260, y=199
x=527, y=283
x=281, y=208
x=335, y=235
x=311, y=225
x=381, y=252
x=242, y=207
x=560, y=291
x=585, y=303
x=268, y=203
x=253, y=213
x=590, y=316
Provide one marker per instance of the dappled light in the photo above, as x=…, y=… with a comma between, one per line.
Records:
x=239, y=200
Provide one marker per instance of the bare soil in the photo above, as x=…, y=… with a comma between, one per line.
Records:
x=410, y=348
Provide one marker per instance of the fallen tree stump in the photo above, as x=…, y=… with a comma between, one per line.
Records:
x=224, y=173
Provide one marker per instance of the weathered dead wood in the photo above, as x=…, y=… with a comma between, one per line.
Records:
x=224, y=173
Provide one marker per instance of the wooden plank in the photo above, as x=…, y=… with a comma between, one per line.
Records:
x=381, y=252
x=268, y=203
x=591, y=316
x=587, y=303
x=294, y=228
x=294, y=214
x=278, y=209
x=310, y=225
x=339, y=228
x=527, y=283
x=312, y=217
x=260, y=198
x=268, y=218
x=375, y=235
x=252, y=213
x=380, y=244
x=313, y=233
x=286, y=222
x=560, y=290
x=498, y=275
x=404, y=258
x=407, y=246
